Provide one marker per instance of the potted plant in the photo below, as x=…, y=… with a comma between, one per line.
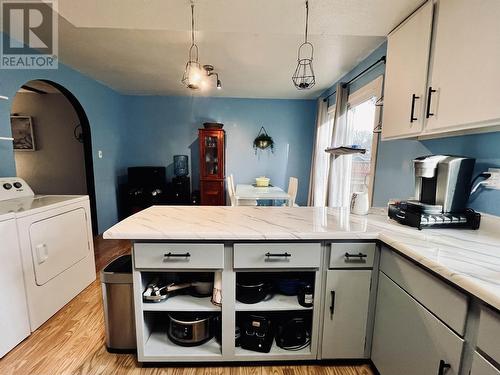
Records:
x=263, y=141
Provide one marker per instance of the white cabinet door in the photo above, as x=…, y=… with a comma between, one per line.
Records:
x=465, y=66
x=408, y=339
x=480, y=366
x=346, y=313
x=14, y=322
x=406, y=75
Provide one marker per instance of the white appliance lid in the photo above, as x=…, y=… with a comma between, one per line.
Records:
x=30, y=205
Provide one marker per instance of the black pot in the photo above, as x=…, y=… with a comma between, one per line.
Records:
x=250, y=293
x=190, y=329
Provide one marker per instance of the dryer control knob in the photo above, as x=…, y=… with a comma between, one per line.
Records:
x=7, y=186
x=17, y=185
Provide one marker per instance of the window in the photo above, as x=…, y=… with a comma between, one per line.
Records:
x=362, y=118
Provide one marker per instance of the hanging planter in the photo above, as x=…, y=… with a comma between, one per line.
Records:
x=263, y=141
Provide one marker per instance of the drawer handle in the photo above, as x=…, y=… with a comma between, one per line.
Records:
x=283, y=255
x=174, y=255
x=359, y=256
x=332, y=304
x=443, y=366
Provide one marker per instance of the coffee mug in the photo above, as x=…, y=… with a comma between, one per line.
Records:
x=360, y=203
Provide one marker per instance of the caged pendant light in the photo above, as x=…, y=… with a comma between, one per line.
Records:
x=193, y=73
x=303, y=78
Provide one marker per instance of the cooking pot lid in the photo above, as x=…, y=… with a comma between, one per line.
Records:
x=189, y=317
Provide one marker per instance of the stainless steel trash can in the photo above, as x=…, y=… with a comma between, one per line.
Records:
x=117, y=294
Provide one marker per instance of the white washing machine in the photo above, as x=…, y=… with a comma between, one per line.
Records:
x=55, y=240
x=14, y=321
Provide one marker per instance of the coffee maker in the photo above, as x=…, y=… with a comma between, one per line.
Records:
x=442, y=189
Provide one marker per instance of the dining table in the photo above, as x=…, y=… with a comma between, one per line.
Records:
x=258, y=193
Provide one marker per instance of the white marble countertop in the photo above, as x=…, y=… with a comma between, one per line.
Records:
x=469, y=259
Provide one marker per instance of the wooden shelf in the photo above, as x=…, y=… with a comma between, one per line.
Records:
x=158, y=344
x=339, y=151
x=278, y=302
x=181, y=303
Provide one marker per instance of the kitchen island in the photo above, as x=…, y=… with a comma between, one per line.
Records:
x=357, y=264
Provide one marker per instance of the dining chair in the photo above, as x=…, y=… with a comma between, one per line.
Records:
x=232, y=195
x=293, y=186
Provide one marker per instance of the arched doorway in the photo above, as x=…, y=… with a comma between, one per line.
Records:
x=68, y=170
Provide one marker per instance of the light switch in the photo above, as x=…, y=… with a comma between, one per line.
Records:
x=99, y=154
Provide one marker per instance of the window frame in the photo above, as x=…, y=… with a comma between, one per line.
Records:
x=373, y=89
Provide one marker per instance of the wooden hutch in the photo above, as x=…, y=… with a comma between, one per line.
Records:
x=212, y=167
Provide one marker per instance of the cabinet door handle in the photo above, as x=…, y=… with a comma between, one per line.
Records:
x=443, y=366
x=283, y=255
x=412, y=112
x=428, y=113
x=360, y=256
x=332, y=304
x=175, y=255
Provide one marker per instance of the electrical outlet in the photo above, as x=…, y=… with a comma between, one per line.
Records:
x=494, y=181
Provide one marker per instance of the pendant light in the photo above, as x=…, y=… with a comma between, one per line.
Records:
x=193, y=74
x=303, y=78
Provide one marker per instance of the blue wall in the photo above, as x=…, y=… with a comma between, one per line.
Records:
x=160, y=127
x=394, y=170
x=104, y=109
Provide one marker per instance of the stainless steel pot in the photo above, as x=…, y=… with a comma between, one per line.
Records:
x=190, y=329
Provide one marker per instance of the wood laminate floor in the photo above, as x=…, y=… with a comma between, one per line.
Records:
x=72, y=342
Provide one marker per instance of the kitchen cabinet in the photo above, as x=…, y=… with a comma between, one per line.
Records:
x=408, y=49
x=481, y=366
x=14, y=322
x=345, y=313
x=464, y=66
x=460, y=66
x=212, y=166
x=286, y=262
x=489, y=332
x=408, y=339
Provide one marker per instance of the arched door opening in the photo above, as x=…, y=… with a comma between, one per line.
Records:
x=58, y=132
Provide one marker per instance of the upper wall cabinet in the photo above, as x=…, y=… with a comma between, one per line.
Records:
x=406, y=75
x=462, y=93
x=465, y=68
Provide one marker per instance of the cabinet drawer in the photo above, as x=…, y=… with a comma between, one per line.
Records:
x=352, y=255
x=277, y=255
x=480, y=366
x=444, y=301
x=178, y=256
x=489, y=332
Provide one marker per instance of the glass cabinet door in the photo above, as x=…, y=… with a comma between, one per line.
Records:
x=211, y=155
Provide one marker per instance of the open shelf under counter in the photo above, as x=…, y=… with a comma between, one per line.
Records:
x=182, y=303
x=158, y=345
x=278, y=302
x=275, y=353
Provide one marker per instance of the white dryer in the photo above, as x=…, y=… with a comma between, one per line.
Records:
x=55, y=238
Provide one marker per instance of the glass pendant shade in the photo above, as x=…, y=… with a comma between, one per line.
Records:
x=193, y=74
x=303, y=78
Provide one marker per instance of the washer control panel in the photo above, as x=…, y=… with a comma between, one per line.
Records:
x=14, y=187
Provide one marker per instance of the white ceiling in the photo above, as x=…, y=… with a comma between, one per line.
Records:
x=141, y=46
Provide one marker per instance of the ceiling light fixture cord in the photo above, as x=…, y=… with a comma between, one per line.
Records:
x=307, y=19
